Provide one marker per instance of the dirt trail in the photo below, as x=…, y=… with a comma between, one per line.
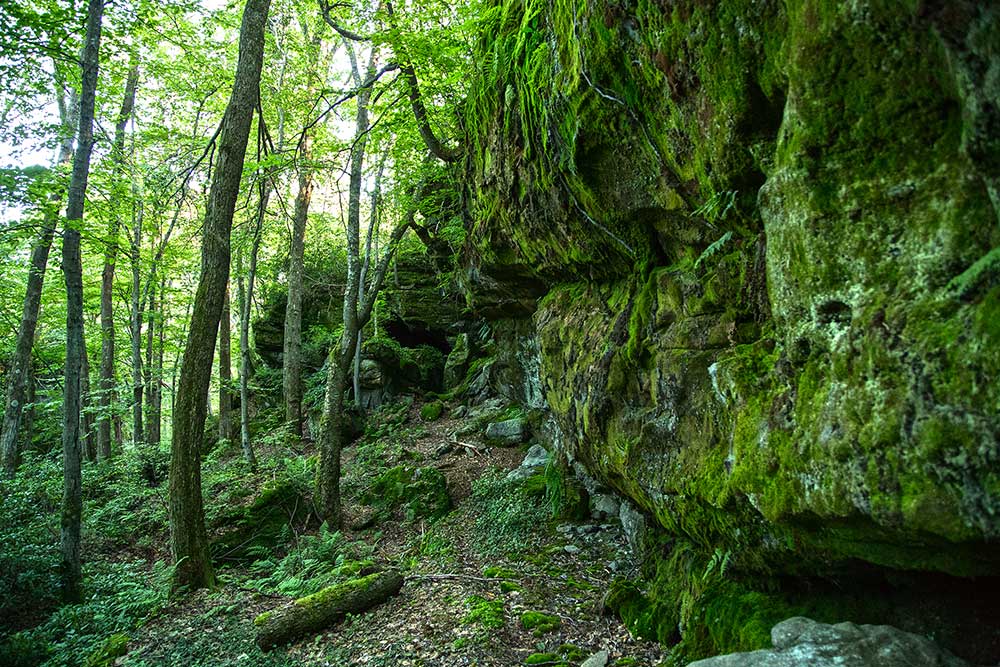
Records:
x=467, y=598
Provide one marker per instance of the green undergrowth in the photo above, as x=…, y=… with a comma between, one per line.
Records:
x=313, y=563
x=120, y=597
x=419, y=493
x=508, y=517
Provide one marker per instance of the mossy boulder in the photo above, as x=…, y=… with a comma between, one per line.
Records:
x=250, y=532
x=420, y=493
x=431, y=411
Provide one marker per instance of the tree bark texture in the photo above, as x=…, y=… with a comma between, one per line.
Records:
x=292, y=358
x=189, y=542
x=107, y=382
x=315, y=612
x=72, y=503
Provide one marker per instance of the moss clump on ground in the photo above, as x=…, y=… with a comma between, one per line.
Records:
x=485, y=612
x=431, y=411
x=539, y=623
x=421, y=493
x=544, y=659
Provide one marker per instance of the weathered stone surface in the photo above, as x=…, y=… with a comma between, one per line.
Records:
x=772, y=307
x=508, y=433
x=533, y=464
x=599, y=659
x=603, y=506
x=801, y=642
x=457, y=363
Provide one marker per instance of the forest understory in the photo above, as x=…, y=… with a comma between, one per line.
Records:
x=491, y=578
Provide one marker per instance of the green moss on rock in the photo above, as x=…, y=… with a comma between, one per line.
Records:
x=421, y=493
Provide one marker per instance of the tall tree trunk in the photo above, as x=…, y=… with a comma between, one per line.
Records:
x=292, y=364
x=362, y=282
x=21, y=363
x=331, y=429
x=136, y=321
x=189, y=542
x=156, y=419
x=246, y=306
x=226, y=373
x=107, y=383
x=72, y=504
x=89, y=438
x=151, y=379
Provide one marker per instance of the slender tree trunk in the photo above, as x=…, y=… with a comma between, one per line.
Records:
x=156, y=418
x=89, y=439
x=189, y=541
x=137, y=388
x=372, y=227
x=246, y=304
x=331, y=429
x=292, y=365
x=107, y=383
x=21, y=363
x=151, y=378
x=72, y=505
x=226, y=373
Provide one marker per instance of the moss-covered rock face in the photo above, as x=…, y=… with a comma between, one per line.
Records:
x=258, y=528
x=421, y=493
x=767, y=236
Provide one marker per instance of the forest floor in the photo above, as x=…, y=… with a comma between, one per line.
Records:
x=473, y=579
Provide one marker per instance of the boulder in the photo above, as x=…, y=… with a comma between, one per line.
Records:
x=534, y=462
x=508, y=433
x=801, y=642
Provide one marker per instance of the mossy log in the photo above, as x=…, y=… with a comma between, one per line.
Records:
x=319, y=610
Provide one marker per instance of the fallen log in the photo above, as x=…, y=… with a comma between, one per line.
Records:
x=317, y=611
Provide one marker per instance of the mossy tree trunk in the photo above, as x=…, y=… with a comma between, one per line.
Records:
x=72, y=503
x=320, y=610
x=189, y=541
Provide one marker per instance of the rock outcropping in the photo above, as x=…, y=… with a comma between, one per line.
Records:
x=753, y=256
x=801, y=642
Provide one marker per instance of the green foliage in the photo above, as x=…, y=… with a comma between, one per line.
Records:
x=507, y=516
x=119, y=597
x=104, y=655
x=485, y=612
x=314, y=563
x=29, y=504
x=431, y=411
x=421, y=493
